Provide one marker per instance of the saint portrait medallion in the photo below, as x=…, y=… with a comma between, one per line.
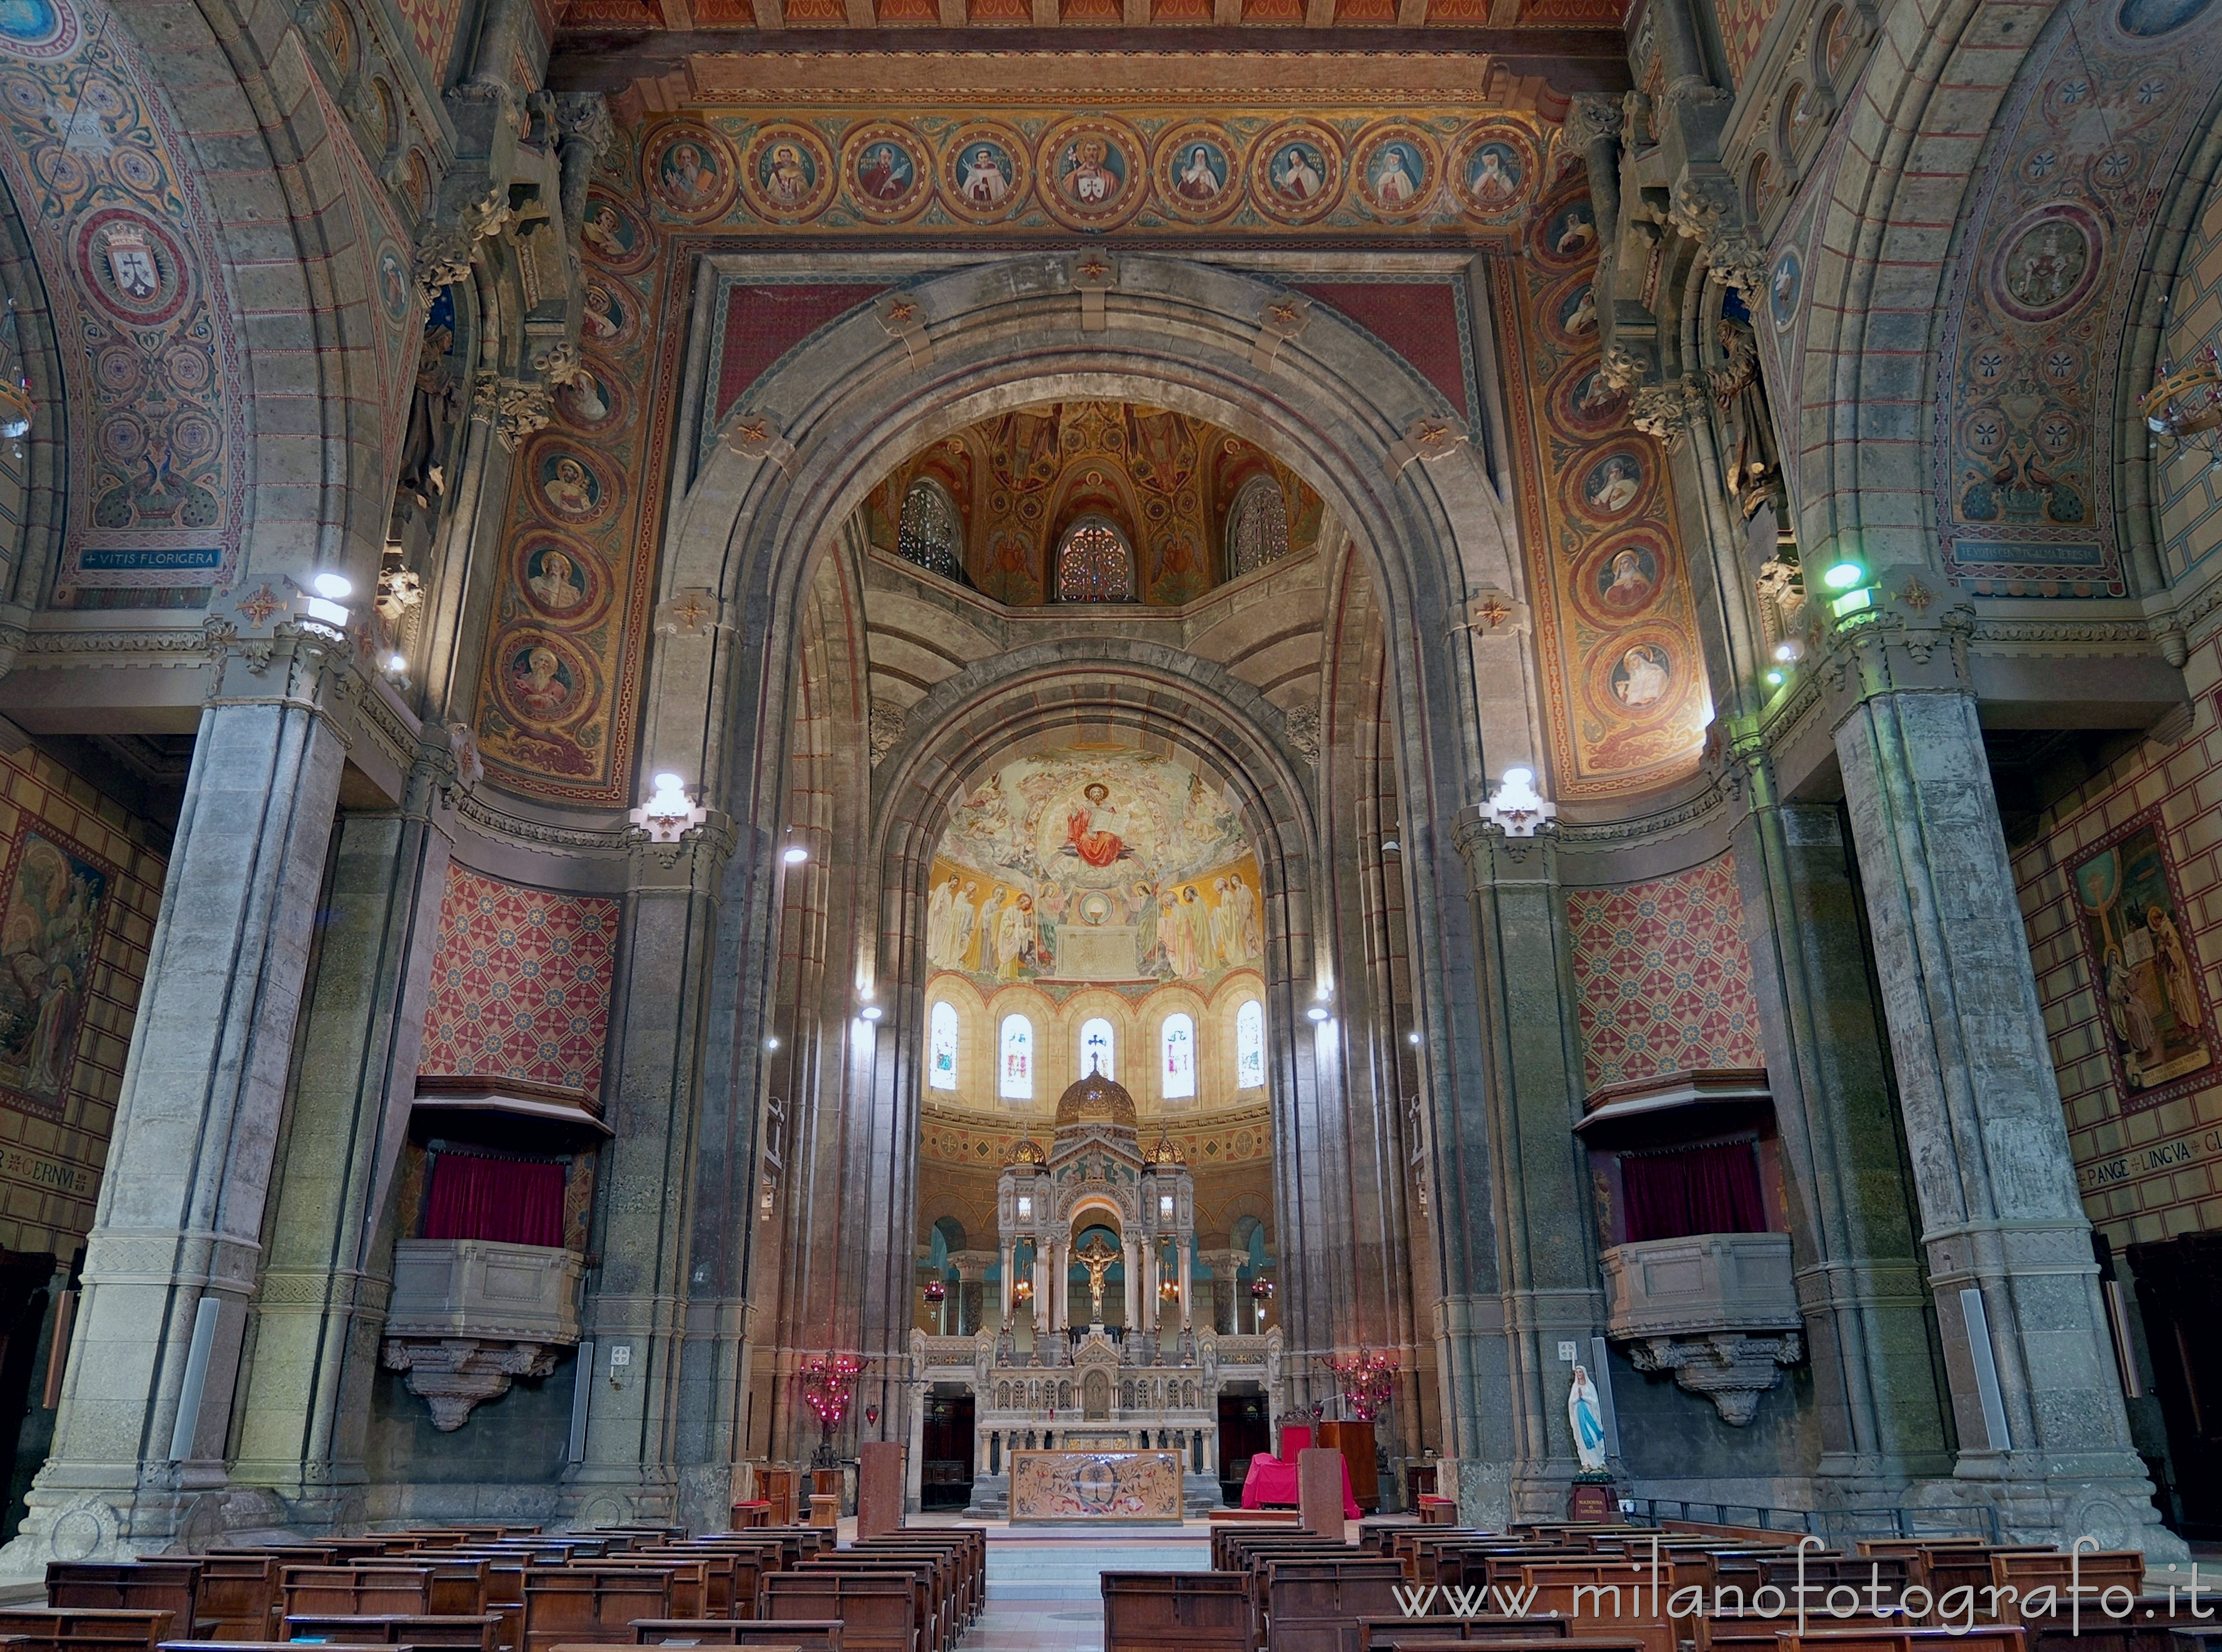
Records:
x=1396, y=171
x=690, y=171
x=1493, y=171
x=1092, y=174
x=613, y=236
x=1198, y=173
x=1295, y=172
x=786, y=174
x=985, y=175
x=887, y=172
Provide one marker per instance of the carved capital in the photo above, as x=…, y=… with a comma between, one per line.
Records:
x=1592, y=117
x=1660, y=410
x=1730, y=1368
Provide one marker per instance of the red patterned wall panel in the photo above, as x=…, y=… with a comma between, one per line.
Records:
x=1663, y=978
x=520, y=987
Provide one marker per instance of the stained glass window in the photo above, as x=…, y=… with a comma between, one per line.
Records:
x=1092, y=565
x=1017, y=1082
x=1095, y=1048
x=1177, y=1072
x=1256, y=527
x=1249, y=1046
x=941, y=1047
x=930, y=534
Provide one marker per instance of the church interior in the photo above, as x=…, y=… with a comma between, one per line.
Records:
x=955, y=765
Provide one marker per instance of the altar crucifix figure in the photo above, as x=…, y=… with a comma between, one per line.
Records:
x=1096, y=1257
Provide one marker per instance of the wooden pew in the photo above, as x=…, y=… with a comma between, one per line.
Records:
x=591, y=1602
x=142, y=1586
x=239, y=1596
x=2027, y=1574
x=481, y=1633
x=1192, y=1611
x=927, y=1579
x=2002, y=1637
x=86, y=1629
x=818, y=1636
x=356, y=1591
x=1315, y=1605
x=876, y=1612
x=1502, y=1634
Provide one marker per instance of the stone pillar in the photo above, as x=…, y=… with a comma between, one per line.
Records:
x=1184, y=1258
x=2047, y=1439
x=1007, y=1264
x=177, y=1235
x=1149, y=1285
x=1041, y=1287
x=1549, y=1281
x=638, y=1295
x=320, y=1304
x=1131, y=1272
x=1861, y=1282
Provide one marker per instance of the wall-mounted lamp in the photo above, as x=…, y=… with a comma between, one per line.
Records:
x=1412, y=1037
x=669, y=814
x=870, y=1012
x=771, y=1044
x=1518, y=807
x=323, y=602
x=1317, y=1012
x=795, y=854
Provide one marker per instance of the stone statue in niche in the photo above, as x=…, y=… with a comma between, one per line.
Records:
x=432, y=415
x=1749, y=463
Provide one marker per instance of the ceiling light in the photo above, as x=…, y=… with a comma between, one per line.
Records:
x=1412, y=1037
x=1317, y=1012
x=1843, y=575
x=870, y=1012
x=397, y=663
x=1775, y=679
x=771, y=1044
x=334, y=587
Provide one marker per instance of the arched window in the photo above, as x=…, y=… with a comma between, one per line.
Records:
x=1257, y=526
x=1017, y=1080
x=931, y=533
x=1249, y=1046
x=1095, y=1050
x=941, y=1047
x=1176, y=1070
x=1094, y=564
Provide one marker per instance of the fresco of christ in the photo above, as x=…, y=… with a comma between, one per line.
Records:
x=1097, y=848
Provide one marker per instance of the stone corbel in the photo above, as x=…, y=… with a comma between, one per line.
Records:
x=1428, y=439
x=1092, y=276
x=904, y=318
x=754, y=436
x=446, y=248
x=1493, y=613
x=689, y=612
x=455, y=1374
x=1730, y=1368
x=1279, y=321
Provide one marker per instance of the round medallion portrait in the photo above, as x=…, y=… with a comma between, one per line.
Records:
x=1566, y=235
x=1583, y=402
x=2145, y=20
x=559, y=580
x=984, y=175
x=2048, y=263
x=608, y=313
x=131, y=265
x=1609, y=486
x=593, y=401
x=1621, y=578
x=39, y=29
x=1492, y=170
x=395, y=291
x=1199, y=172
x=688, y=171
x=569, y=486
x=1569, y=313
x=1092, y=172
x=1785, y=286
x=1295, y=172
x=543, y=680
x=787, y=176
x=887, y=170
x=1636, y=675
x=613, y=235
x=1397, y=170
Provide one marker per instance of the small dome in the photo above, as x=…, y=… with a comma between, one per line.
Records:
x=1095, y=1100
x=1028, y=1151
x=1167, y=1152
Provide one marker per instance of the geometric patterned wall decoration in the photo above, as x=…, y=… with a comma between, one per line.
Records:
x=520, y=987
x=2056, y=226
x=77, y=915
x=1662, y=979
x=156, y=461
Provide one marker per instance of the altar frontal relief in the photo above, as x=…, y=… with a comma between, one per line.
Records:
x=1080, y=865
x=1048, y=1485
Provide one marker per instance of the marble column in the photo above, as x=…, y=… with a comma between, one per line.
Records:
x=320, y=1304
x=2042, y=1427
x=1184, y=1258
x=1007, y=1265
x=137, y=1465
x=1548, y=1281
x=1131, y=1275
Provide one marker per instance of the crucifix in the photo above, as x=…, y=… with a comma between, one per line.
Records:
x=1096, y=1257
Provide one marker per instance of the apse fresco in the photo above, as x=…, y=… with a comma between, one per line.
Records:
x=1082, y=865
x=1616, y=634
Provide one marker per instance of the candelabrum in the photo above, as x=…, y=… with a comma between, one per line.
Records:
x=2185, y=404
x=829, y=1381
x=1369, y=1377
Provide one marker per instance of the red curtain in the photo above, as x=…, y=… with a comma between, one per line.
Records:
x=510, y=1200
x=1697, y=1190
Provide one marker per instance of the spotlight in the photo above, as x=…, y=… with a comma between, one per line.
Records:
x=795, y=854
x=1775, y=679
x=771, y=1044
x=1412, y=1037
x=1845, y=574
x=397, y=663
x=1787, y=652
x=870, y=1012
x=1317, y=1012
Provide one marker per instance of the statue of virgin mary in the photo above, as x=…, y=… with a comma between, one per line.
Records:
x=1588, y=1418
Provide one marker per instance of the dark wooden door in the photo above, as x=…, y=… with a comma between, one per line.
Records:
x=947, y=1472
x=24, y=1277
x=1242, y=1435
x=2180, y=1297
